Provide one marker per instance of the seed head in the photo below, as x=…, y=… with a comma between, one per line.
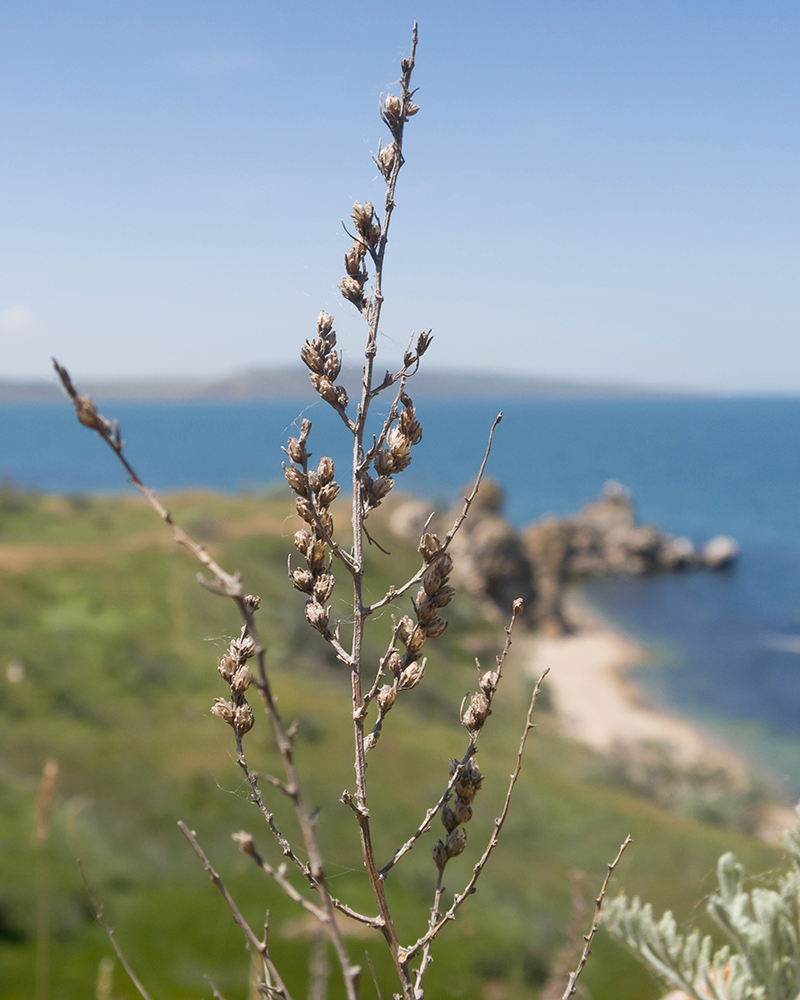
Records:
x=243, y=719
x=223, y=710
x=325, y=471
x=241, y=680
x=456, y=842
x=317, y=616
x=226, y=667
x=439, y=853
x=302, y=580
x=411, y=675
x=386, y=698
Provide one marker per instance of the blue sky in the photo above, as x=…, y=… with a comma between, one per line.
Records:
x=593, y=189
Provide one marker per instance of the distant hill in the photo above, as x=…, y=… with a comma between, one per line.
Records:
x=292, y=383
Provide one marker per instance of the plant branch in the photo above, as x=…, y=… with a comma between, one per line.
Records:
x=260, y=947
x=598, y=903
x=458, y=900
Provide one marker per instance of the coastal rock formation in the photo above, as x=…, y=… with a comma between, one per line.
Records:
x=490, y=560
x=497, y=564
x=720, y=552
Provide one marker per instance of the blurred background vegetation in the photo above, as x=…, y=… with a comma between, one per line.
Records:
x=108, y=652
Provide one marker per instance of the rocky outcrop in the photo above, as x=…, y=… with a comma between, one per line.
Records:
x=496, y=564
x=490, y=559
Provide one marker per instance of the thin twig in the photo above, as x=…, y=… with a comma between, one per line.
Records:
x=213, y=988
x=458, y=900
x=434, y=919
x=598, y=903
x=258, y=946
x=111, y=937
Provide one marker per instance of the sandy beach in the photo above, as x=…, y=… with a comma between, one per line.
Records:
x=599, y=705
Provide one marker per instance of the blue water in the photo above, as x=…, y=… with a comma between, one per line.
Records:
x=728, y=644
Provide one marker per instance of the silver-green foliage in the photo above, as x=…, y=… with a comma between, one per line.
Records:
x=761, y=960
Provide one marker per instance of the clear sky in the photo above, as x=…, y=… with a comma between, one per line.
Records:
x=594, y=188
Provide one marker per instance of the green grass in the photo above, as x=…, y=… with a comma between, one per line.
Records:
x=119, y=648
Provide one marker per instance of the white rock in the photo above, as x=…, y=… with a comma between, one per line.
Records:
x=720, y=552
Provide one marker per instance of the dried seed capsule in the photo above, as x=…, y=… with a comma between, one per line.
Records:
x=324, y=387
x=429, y=545
x=352, y=291
x=296, y=479
x=296, y=449
x=404, y=629
x=241, y=680
x=324, y=323
x=439, y=854
x=456, y=842
x=488, y=682
x=243, y=719
x=333, y=365
x=362, y=217
x=392, y=109
x=325, y=471
x=312, y=357
x=449, y=819
x=302, y=539
x=304, y=509
x=411, y=675
x=463, y=811
x=316, y=554
x=468, y=783
x=386, y=698
x=303, y=580
x=416, y=640
x=394, y=663
x=317, y=616
x=223, y=710
x=226, y=667
x=328, y=494
x=384, y=462
x=386, y=159
x=443, y=596
x=435, y=627
x=245, y=647
x=323, y=586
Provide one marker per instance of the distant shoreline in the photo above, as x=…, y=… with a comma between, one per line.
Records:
x=292, y=383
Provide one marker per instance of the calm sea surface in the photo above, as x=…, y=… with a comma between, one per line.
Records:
x=727, y=645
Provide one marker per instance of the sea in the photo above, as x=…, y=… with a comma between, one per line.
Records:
x=724, y=646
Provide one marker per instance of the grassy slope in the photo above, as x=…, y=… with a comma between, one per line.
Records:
x=119, y=647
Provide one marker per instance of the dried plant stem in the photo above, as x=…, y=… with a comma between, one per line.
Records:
x=231, y=585
x=259, y=946
x=459, y=899
x=588, y=938
x=112, y=938
x=435, y=917
x=471, y=749
x=214, y=991
x=372, y=313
